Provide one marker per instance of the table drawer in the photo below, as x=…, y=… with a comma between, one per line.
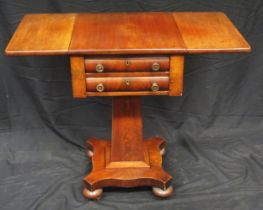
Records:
x=127, y=83
x=126, y=64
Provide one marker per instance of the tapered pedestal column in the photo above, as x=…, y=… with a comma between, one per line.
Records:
x=126, y=160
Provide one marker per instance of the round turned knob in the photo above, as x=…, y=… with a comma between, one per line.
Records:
x=156, y=66
x=94, y=195
x=99, y=68
x=163, y=193
x=155, y=87
x=100, y=87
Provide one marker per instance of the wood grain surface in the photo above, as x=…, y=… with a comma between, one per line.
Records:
x=101, y=176
x=127, y=137
x=129, y=93
x=128, y=74
x=129, y=64
x=112, y=84
x=78, y=76
x=42, y=34
x=126, y=33
x=209, y=32
x=176, y=75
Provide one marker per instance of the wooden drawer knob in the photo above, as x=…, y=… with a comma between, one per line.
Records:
x=99, y=68
x=156, y=66
x=100, y=87
x=155, y=87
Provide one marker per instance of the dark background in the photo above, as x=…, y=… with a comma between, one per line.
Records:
x=215, y=131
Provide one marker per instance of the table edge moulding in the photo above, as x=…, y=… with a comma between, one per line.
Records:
x=126, y=55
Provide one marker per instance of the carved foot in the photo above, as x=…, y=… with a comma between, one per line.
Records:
x=94, y=195
x=163, y=193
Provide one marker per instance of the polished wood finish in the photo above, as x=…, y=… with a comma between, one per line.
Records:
x=126, y=64
x=125, y=46
x=176, y=75
x=129, y=93
x=139, y=83
x=126, y=33
x=134, y=83
x=129, y=74
x=101, y=176
x=127, y=160
x=78, y=76
x=95, y=195
x=42, y=34
x=209, y=32
x=163, y=193
x=127, y=138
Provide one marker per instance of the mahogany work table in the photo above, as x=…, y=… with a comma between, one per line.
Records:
x=126, y=55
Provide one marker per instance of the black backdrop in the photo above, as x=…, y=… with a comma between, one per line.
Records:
x=215, y=131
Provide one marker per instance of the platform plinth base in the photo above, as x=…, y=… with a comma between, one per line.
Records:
x=127, y=160
x=106, y=174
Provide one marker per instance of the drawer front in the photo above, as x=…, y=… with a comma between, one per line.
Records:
x=118, y=84
x=127, y=64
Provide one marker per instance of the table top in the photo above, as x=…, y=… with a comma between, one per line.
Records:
x=126, y=33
